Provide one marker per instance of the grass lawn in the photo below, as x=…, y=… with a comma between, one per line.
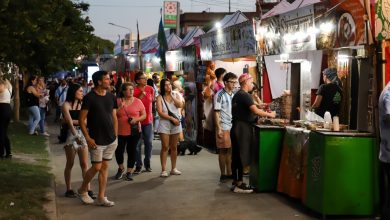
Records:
x=24, y=180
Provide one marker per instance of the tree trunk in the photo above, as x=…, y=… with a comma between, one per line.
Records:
x=15, y=81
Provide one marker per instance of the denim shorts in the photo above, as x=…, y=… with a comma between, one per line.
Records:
x=71, y=140
x=103, y=152
x=166, y=127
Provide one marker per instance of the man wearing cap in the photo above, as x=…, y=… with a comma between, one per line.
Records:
x=329, y=95
x=244, y=112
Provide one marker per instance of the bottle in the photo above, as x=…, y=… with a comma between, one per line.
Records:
x=336, y=125
x=327, y=120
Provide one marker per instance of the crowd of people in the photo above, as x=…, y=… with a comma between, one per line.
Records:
x=102, y=120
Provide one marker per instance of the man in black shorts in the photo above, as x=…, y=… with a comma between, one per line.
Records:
x=244, y=112
x=99, y=110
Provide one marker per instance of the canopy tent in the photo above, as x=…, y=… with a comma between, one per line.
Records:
x=284, y=7
x=149, y=44
x=173, y=40
x=189, y=38
x=229, y=20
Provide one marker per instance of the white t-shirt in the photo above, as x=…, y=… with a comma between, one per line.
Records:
x=384, y=110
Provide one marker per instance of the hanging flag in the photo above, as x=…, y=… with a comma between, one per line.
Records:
x=118, y=47
x=139, y=51
x=162, y=40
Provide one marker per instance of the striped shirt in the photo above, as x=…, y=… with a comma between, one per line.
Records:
x=223, y=104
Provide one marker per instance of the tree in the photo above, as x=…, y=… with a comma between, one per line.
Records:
x=42, y=36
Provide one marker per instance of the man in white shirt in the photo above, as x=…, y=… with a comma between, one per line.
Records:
x=384, y=153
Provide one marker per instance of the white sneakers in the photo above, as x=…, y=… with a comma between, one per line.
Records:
x=164, y=174
x=173, y=172
x=85, y=198
x=105, y=202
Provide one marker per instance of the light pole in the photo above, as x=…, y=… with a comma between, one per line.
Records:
x=130, y=32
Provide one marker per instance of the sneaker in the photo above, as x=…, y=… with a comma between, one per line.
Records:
x=8, y=156
x=148, y=169
x=85, y=198
x=105, y=202
x=164, y=174
x=45, y=134
x=243, y=188
x=129, y=176
x=91, y=194
x=175, y=172
x=119, y=174
x=70, y=194
x=137, y=170
x=223, y=178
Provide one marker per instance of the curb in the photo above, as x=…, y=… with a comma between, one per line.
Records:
x=51, y=206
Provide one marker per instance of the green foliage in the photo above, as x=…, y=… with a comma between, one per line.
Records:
x=97, y=45
x=43, y=35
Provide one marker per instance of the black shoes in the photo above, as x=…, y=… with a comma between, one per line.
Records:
x=119, y=174
x=91, y=194
x=137, y=170
x=148, y=169
x=70, y=194
x=129, y=176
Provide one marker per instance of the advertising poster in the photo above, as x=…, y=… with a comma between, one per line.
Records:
x=171, y=10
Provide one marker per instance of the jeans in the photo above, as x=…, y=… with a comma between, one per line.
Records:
x=33, y=118
x=147, y=136
x=42, y=112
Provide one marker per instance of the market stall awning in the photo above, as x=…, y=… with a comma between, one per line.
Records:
x=173, y=40
x=229, y=20
x=189, y=38
x=284, y=7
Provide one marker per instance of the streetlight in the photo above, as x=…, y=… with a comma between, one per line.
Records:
x=110, y=23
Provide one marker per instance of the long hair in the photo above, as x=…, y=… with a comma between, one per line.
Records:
x=123, y=88
x=162, y=86
x=71, y=93
x=30, y=81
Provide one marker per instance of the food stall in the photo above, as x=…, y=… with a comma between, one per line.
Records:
x=233, y=48
x=332, y=172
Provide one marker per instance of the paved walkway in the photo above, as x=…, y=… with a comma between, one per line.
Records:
x=196, y=194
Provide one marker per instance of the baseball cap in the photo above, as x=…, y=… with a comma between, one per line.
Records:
x=244, y=77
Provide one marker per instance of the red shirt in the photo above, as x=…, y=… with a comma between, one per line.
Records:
x=147, y=101
x=134, y=110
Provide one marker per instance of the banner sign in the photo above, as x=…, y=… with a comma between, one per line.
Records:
x=295, y=27
x=298, y=31
x=231, y=42
x=171, y=13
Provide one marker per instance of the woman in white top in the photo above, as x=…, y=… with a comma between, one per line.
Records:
x=5, y=117
x=168, y=105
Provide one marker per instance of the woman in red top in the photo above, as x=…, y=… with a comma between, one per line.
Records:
x=130, y=113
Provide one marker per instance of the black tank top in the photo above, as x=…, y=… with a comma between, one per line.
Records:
x=74, y=113
x=31, y=99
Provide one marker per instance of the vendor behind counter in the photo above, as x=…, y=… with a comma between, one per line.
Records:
x=329, y=94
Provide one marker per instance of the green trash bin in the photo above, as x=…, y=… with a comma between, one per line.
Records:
x=342, y=177
x=266, y=151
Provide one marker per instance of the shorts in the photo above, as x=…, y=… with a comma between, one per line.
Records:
x=103, y=152
x=224, y=141
x=166, y=127
x=71, y=139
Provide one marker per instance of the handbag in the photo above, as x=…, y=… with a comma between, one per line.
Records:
x=170, y=113
x=134, y=128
